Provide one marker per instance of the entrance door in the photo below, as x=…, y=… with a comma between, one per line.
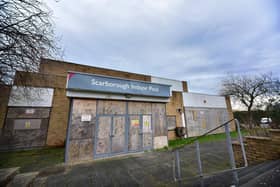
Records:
x=103, y=139
x=118, y=134
x=135, y=133
x=111, y=135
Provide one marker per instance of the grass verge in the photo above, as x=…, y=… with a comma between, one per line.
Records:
x=32, y=160
x=209, y=138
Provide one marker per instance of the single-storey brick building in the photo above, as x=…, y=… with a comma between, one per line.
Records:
x=97, y=112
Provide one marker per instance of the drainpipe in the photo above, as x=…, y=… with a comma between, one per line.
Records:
x=183, y=121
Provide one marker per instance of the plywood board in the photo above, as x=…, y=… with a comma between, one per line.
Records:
x=139, y=108
x=111, y=107
x=24, y=112
x=159, y=119
x=103, y=135
x=118, y=139
x=134, y=139
x=204, y=120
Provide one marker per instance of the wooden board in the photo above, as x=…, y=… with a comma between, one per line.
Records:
x=81, y=137
x=111, y=107
x=23, y=138
x=139, y=108
x=159, y=119
x=103, y=135
x=134, y=136
x=24, y=112
x=118, y=139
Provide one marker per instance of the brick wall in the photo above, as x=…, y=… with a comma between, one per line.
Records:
x=49, y=66
x=52, y=74
x=259, y=149
x=4, y=99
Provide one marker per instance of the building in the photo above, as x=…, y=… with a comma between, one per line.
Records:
x=97, y=112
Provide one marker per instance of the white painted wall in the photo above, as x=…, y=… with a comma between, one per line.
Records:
x=31, y=96
x=175, y=84
x=203, y=100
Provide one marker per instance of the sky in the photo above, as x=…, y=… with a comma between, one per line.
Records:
x=198, y=41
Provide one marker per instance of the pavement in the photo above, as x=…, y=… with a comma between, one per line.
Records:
x=150, y=169
x=147, y=169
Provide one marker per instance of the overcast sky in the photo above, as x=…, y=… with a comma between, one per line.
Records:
x=198, y=41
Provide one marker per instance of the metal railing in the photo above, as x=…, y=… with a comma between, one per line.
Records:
x=177, y=174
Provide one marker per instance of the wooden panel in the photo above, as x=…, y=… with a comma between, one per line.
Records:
x=83, y=129
x=134, y=143
x=111, y=107
x=200, y=120
x=18, y=138
x=147, y=131
x=139, y=108
x=86, y=149
x=159, y=119
x=103, y=135
x=28, y=112
x=118, y=139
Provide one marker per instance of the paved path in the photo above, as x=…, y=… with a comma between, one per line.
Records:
x=146, y=169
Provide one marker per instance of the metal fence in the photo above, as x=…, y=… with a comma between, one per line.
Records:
x=217, y=157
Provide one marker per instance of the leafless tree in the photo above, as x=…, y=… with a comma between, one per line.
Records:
x=26, y=35
x=250, y=89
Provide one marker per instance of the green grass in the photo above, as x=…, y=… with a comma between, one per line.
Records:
x=32, y=160
x=209, y=138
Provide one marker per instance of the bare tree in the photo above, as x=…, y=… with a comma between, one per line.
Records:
x=26, y=35
x=250, y=89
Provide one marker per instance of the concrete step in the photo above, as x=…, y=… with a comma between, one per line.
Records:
x=23, y=180
x=7, y=174
x=252, y=174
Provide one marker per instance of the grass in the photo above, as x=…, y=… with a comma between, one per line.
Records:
x=32, y=160
x=209, y=138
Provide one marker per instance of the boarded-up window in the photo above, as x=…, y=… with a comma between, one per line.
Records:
x=171, y=122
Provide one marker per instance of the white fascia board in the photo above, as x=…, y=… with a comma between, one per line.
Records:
x=97, y=95
x=203, y=101
x=176, y=85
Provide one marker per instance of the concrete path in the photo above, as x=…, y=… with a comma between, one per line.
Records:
x=146, y=169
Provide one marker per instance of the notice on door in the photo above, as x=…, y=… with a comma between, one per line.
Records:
x=147, y=123
x=86, y=117
x=135, y=123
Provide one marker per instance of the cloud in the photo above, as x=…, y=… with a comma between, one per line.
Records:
x=195, y=40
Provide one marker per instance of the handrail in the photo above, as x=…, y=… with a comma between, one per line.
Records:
x=178, y=177
x=211, y=130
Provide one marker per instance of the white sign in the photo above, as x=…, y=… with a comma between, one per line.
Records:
x=29, y=111
x=86, y=117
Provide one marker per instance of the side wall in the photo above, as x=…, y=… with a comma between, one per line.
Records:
x=259, y=149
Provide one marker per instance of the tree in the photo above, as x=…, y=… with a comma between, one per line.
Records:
x=26, y=35
x=250, y=89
